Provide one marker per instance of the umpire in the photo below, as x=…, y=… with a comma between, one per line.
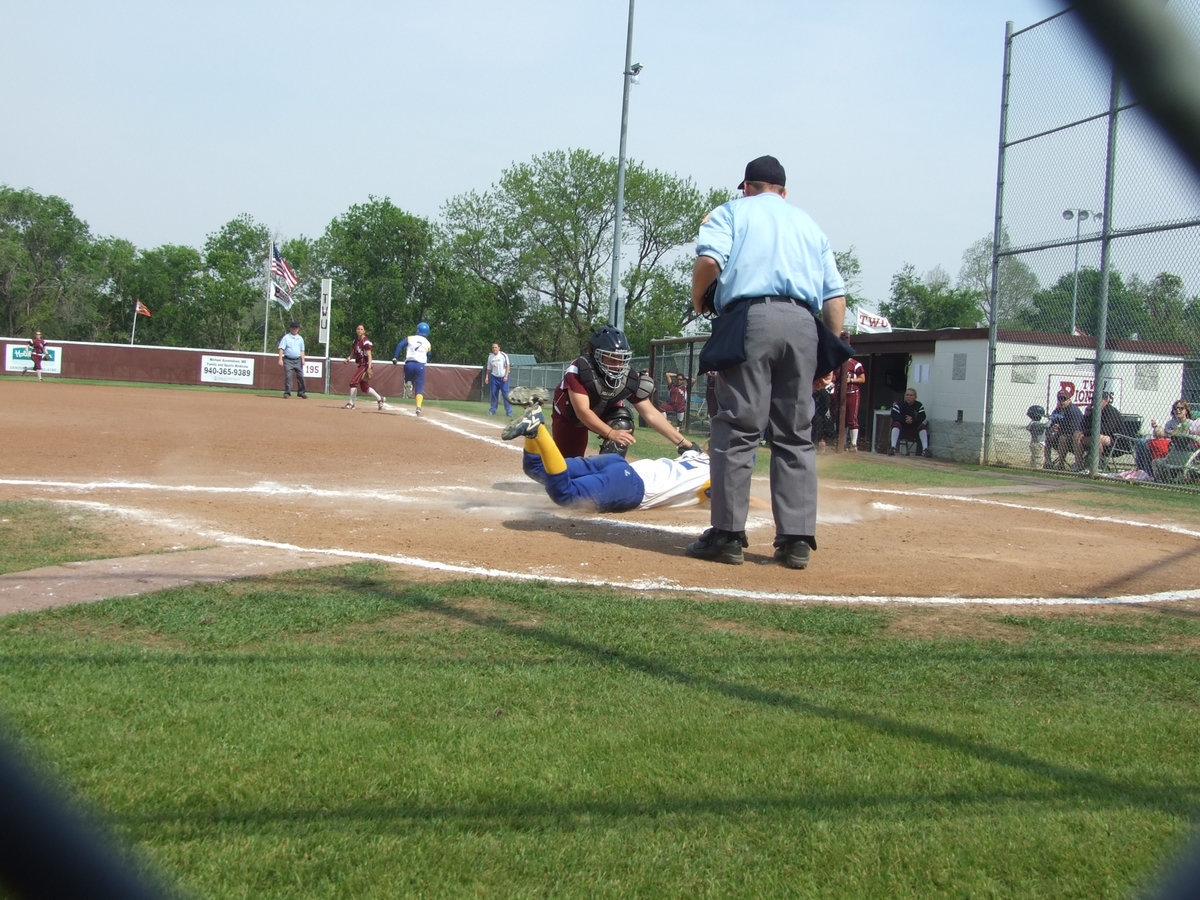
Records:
x=772, y=256
x=291, y=357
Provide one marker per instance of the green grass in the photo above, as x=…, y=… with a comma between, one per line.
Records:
x=35, y=534
x=347, y=733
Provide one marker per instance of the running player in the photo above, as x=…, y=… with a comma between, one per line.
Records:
x=416, y=349
x=607, y=481
x=37, y=352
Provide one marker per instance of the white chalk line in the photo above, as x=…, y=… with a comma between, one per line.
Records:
x=1066, y=514
x=661, y=585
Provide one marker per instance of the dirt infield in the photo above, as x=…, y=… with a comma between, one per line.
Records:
x=196, y=486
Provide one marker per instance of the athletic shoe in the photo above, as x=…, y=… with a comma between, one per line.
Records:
x=925, y=453
x=891, y=451
x=302, y=396
x=348, y=406
x=527, y=425
x=382, y=400
x=719, y=546
x=792, y=552
x=418, y=410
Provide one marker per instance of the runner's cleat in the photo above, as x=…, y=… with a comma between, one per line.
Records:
x=527, y=425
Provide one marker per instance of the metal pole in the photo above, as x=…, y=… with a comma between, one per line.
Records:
x=616, y=309
x=1103, y=353
x=997, y=237
x=1075, y=286
x=267, y=304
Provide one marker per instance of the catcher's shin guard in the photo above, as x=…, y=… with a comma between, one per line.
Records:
x=619, y=419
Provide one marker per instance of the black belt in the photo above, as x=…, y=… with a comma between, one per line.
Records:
x=291, y=357
x=777, y=299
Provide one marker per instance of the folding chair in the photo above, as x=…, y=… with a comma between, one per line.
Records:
x=1181, y=465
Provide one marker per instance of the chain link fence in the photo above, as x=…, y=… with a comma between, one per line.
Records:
x=1096, y=276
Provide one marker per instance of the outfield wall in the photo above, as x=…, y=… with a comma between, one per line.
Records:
x=223, y=368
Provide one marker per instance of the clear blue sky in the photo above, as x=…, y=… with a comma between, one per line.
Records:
x=159, y=122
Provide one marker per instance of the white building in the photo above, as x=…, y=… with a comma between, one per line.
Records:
x=949, y=370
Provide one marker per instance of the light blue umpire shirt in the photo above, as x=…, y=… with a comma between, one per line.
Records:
x=788, y=256
x=292, y=345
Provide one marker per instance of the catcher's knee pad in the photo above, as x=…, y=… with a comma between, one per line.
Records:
x=619, y=419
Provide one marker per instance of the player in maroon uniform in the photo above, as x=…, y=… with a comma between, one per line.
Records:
x=855, y=379
x=37, y=352
x=592, y=397
x=361, y=354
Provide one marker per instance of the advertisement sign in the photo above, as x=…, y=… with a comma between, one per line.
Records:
x=1082, y=388
x=227, y=370
x=326, y=305
x=18, y=358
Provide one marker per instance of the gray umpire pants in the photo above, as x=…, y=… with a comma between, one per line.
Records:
x=770, y=393
x=293, y=368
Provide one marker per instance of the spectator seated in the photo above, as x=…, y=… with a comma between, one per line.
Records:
x=909, y=424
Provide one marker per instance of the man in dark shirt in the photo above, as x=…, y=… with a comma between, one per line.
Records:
x=1066, y=421
x=909, y=422
x=1110, y=424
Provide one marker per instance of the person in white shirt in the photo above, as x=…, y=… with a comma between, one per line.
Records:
x=495, y=374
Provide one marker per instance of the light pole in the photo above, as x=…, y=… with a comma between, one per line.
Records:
x=1080, y=216
x=616, y=309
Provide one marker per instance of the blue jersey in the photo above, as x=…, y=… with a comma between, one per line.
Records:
x=611, y=484
x=768, y=248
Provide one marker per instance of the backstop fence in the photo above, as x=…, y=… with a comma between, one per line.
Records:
x=1097, y=239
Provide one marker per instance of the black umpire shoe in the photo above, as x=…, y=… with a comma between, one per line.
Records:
x=792, y=552
x=719, y=546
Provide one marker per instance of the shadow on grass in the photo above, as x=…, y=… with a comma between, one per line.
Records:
x=1067, y=783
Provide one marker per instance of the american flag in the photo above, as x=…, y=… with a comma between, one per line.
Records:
x=141, y=308
x=281, y=269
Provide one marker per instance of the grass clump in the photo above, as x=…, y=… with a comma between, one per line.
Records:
x=36, y=534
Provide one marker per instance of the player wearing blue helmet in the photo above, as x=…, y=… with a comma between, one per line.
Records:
x=417, y=349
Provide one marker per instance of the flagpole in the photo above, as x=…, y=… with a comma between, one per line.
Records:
x=267, y=304
x=133, y=329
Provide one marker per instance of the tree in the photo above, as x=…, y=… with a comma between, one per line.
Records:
x=233, y=290
x=45, y=263
x=1051, y=307
x=543, y=236
x=377, y=256
x=170, y=280
x=1016, y=283
x=930, y=303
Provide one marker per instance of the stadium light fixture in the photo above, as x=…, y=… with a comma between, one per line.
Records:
x=1080, y=216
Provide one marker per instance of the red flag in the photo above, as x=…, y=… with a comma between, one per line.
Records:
x=141, y=308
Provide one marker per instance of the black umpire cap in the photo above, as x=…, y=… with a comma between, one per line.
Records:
x=766, y=169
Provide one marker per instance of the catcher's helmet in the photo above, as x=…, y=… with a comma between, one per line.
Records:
x=1035, y=412
x=611, y=353
x=423, y=329
x=621, y=419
